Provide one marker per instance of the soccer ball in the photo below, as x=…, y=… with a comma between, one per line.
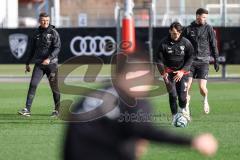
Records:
x=180, y=121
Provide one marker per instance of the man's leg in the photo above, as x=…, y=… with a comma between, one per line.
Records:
x=171, y=86
x=189, y=84
x=173, y=105
x=36, y=78
x=181, y=88
x=204, y=92
x=52, y=75
x=202, y=75
x=173, y=102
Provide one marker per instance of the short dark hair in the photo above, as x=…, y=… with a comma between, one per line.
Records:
x=177, y=26
x=201, y=11
x=43, y=14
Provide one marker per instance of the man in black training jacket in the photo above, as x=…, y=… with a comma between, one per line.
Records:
x=203, y=39
x=45, y=47
x=174, y=59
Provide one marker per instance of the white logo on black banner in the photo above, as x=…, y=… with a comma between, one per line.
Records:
x=18, y=44
x=92, y=45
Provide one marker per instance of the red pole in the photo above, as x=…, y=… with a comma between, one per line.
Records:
x=128, y=28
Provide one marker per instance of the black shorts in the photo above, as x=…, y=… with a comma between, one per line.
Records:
x=199, y=70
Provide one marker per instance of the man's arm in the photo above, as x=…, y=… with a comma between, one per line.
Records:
x=158, y=59
x=205, y=144
x=147, y=131
x=213, y=43
x=32, y=50
x=31, y=54
x=213, y=47
x=56, y=45
x=185, y=32
x=144, y=127
x=188, y=59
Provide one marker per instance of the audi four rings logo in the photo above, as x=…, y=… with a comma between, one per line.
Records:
x=93, y=45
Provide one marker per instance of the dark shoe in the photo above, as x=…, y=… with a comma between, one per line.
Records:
x=54, y=114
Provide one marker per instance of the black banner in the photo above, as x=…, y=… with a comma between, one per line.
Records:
x=14, y=43
x=230, y=44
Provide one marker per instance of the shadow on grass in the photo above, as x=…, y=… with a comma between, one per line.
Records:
x=33, y=119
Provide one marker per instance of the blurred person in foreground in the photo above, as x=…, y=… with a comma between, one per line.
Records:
x=123, y=132
x=45, y=47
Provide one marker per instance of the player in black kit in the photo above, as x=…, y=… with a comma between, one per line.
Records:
x=203, y=39
x=45, y=47
x=174, y=59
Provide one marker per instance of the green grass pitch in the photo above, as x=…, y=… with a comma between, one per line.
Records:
x=40, y=137
x=18, y=70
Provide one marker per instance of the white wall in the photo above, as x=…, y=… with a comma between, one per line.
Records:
x=12, y=14
x=9, y=13
x=2, y=12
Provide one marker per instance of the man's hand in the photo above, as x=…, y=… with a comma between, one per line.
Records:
x=206, y=144
x=46, y=61
x=141, y=148
x=165, y=77
x=216, y=66
x=178, y=76
x=27, y=68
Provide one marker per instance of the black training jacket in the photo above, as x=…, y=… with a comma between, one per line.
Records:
x=176, y=55
x=45, y=43
x=203, y=39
